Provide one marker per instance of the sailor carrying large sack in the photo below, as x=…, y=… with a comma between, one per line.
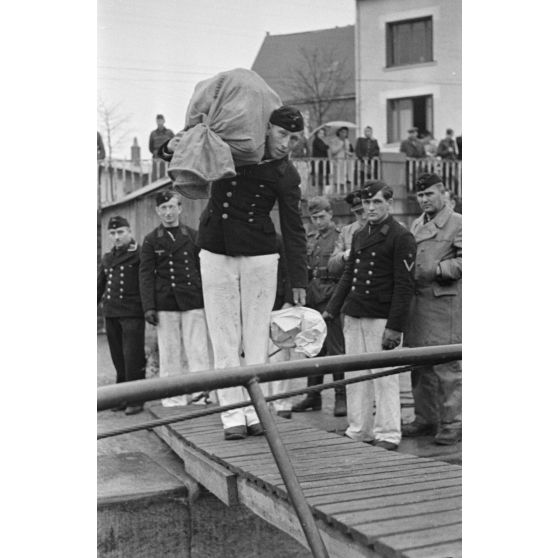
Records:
x=226, y=125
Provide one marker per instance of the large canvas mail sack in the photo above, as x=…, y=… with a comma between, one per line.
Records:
x=226, y=125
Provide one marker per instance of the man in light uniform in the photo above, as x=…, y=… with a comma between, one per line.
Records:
x=435, y=316
x=239, y=255
x=374, y=294
x=171, y=293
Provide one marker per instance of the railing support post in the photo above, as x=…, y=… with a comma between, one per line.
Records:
x=287, y=471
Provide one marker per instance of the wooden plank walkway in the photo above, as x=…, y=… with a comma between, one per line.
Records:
x=368, y=502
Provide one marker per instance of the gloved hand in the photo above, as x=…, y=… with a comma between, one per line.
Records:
x=151, y=317
x=391, y=339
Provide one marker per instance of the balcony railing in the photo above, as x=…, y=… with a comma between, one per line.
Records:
x=334, y=178
x=449, y=172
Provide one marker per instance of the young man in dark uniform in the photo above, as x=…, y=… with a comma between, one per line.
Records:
x=118, y=288
x=375, y=294
x=171, y=293
x=239, y=257
x=320, y=246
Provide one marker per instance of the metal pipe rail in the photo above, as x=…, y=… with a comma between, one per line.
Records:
x=159, y=388
x=250, y=376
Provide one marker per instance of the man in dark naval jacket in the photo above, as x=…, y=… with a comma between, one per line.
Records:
x=239, y=257
x=374, y=294
x=118, y=288
x=320, y=246
x=171, y=293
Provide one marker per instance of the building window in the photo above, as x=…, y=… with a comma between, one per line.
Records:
x=408, y=112
x=409, y=42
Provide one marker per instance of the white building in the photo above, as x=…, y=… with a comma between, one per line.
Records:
x=408, y=67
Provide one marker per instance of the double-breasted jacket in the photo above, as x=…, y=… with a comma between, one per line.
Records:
x=377, y=281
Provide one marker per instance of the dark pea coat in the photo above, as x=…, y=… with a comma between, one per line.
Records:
x=377, y=281
x=435, y=314
x=118, y=283
x=170, y=271
x=366, y=148
x=320, y=247
x=237, y=222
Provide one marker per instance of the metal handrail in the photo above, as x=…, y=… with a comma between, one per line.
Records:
x=207, y=380
x=250, y=377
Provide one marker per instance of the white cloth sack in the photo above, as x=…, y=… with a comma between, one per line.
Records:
x=226, y=125
x=299, y=328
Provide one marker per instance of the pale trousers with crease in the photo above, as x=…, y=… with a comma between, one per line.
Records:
x=364, y=335
x=280, y=386
x=239, y=293
x=182, y=333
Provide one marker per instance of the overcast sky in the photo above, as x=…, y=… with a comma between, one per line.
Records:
x=151, y=53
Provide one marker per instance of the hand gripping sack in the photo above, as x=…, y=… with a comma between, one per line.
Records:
x=226, y=125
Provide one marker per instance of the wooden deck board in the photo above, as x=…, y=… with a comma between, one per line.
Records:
x=374, y=502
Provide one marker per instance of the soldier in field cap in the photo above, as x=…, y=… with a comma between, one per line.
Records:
x=343, y=245
x=374, y=294
x=435, y=317
x=320, y=245
x=239, y=257
x=118, y=289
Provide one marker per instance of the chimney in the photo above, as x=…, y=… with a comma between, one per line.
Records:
x=136, y=153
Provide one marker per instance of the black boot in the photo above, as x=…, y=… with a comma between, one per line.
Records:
x=340, y=407
x=312, y=402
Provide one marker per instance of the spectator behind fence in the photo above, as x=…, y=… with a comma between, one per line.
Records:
x=367, y=147
x=157, y=138
x=340, y=146
x=341, y=149
x=412, y=146
x=447, y=148
x=459, y=146
x=430, y=145
x=365, y=150
x=435, y=314
x=320, y=150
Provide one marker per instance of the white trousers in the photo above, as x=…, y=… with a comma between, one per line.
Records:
x=182, y=333
x=280, y=386
x=238, y=293
x=364, y=335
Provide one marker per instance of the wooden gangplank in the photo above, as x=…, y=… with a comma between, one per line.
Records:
x=368, y=502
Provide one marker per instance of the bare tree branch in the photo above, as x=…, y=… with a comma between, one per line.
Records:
x=114, y=124
x=320, y=81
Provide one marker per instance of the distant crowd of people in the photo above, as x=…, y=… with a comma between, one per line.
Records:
x=210, y=292
x=425, y=146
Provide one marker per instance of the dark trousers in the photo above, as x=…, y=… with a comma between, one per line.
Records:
x=126, y=339
x=437, y=394
x=334, y=344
